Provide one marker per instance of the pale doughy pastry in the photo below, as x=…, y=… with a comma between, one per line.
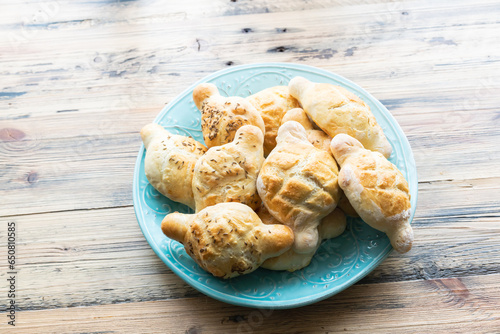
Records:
x=336, y=110
x=376, y=189
x=170, y=161
x=228, y=173
x=222, y=116
x=316, y=137
x=227, y=239
x=298, y=185
x=330, y=227
x=272, y=103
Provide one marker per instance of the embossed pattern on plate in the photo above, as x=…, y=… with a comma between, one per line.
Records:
x=339, y=262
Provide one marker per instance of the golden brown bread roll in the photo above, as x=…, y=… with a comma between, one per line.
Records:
x=228, y=173
x=322, y=141
x=330, y=227
x=272, y=103
x=222, y=116
x=170, y=161
x=336, y=110
x=316, y=137
x=227, y=239
x=376, y=189
x=298, y=185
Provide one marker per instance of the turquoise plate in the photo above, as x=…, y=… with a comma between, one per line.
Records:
x=339, y=262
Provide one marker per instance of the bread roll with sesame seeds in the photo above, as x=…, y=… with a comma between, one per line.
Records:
x=227, y=239
x=228, y=173
x=330, y=227
x=376, y=189
x=298, y=185
x=222, y=116
x=169, y=162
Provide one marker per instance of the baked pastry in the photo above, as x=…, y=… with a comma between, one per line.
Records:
x=336, y=110
x=272, y=103
x=322, y=141
x=228, y=173
x=316, y=137
x=376, y=189
x=222, y=116
x=330, y=227
x=298, y=185
x=227, y=239
x=170, y=161
x=346, y=206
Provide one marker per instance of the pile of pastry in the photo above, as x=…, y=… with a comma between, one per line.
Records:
x=279, y=171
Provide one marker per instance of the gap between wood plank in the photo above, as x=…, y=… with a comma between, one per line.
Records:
x=67, y=210
x=470, y=300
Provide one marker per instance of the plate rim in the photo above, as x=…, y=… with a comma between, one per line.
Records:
x=269, y=304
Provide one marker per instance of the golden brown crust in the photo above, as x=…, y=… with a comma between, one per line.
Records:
x=336, y=110
x=175, y=225
x=222, y=116
x=227, y=239
x=272, y=103
x=202, y=92
x=228, y=173
x=298, y=184
x=169, y=162
x=376, y=189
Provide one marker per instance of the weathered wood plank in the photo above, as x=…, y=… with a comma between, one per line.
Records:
x=86, y=75
x=65, y=181
x=441, y=134
x=107, y=260
x=56, y=14
x=465, y=305
x=137, y=72
x=102, y=252
x=44, y=175
x=47, y=177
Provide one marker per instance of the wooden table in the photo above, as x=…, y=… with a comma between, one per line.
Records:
x=80, y=78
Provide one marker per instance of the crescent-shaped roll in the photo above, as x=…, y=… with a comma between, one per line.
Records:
x=228, y=173
x=169, y=162
x=376, y=189
x=227, y=239
x=336, y=110
x=298, y=185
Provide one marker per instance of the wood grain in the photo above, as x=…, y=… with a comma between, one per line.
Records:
x=80, y=78
x=47, y=176
x=461, y=303
x=106, y=260
x=108, y=74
